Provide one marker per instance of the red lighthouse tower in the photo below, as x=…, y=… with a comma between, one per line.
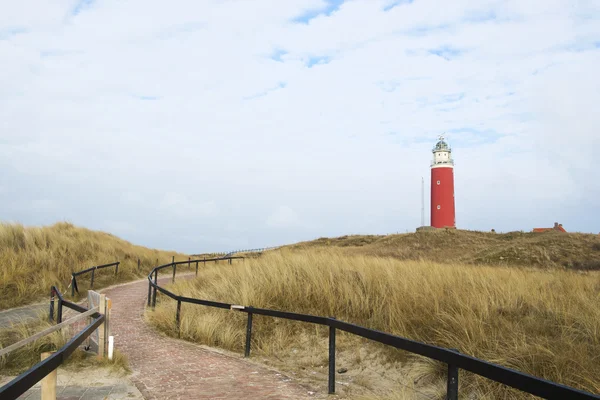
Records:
x=442, y=186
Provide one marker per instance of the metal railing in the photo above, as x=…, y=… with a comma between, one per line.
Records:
x=230, y=253
x=27, y=379
x=74, y=275
x=454, y=360
x=250, y=250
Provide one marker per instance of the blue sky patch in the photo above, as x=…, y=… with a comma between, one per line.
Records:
x=317, y=60
x=328, y=8
x=446, y=52
x=396, y=3
x=81, y=6
x=278, y=54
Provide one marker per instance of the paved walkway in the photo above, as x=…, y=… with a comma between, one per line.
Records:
x=167, y=368
x=87, y=384
x=22, y=314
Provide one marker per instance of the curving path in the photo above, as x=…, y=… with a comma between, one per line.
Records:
x=167, y=368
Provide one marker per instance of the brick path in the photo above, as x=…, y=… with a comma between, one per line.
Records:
x=167, y=368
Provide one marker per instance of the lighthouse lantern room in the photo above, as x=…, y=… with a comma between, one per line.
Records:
x=442, y=186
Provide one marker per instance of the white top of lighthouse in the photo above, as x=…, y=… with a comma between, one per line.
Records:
x=442, y=154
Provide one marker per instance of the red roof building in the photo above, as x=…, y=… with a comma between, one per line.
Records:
x=557, y=227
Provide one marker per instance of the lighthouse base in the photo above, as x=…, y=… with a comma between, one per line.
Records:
x=433, y=228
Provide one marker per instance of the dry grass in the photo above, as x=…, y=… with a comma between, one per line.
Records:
x=34, y=258
x=25, y=357
x=548, y=249
x=543, y=322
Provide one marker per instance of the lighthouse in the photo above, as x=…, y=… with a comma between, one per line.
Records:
x=442, y=186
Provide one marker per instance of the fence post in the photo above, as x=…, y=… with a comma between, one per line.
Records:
x=230, y=261
x=51, y=312
x=149, y=292
x=248, y=334
x=204, y=262
x=92, y=282
x=174, y=268
x=178, y=318
x=189, y=262
x=73, y=283
x=155, y=283
x=331, y=359
x=102, y=327
x=59, y=311
x=452, y=387
x=196, y=267
x=48, y=389
x=117, y=268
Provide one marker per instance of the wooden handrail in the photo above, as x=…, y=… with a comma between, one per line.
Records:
x=45, y=332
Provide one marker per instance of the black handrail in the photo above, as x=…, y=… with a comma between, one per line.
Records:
x=27, y=379
x=93, y=269
x=455, y=360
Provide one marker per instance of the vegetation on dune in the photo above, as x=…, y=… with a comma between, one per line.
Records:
x=25, y=357
x=545, y=322
x=549, y=249
x=32, y=259
x=529, y=301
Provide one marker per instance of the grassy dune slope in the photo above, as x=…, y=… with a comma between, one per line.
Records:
x=549, y=249
x=542, y=321
x=34, y=258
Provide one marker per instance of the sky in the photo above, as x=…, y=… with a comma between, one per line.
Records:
x=218, y=125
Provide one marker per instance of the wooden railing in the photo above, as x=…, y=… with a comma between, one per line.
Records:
x=27, y=379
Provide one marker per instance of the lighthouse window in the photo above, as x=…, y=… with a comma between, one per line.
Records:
x=438, y=182
x=438, y=207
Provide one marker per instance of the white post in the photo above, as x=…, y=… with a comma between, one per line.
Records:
x=111, y=343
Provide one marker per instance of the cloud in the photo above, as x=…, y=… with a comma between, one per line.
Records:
x=205, y=118
x=180, y=205
x=283, y=217
x=9, y=32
